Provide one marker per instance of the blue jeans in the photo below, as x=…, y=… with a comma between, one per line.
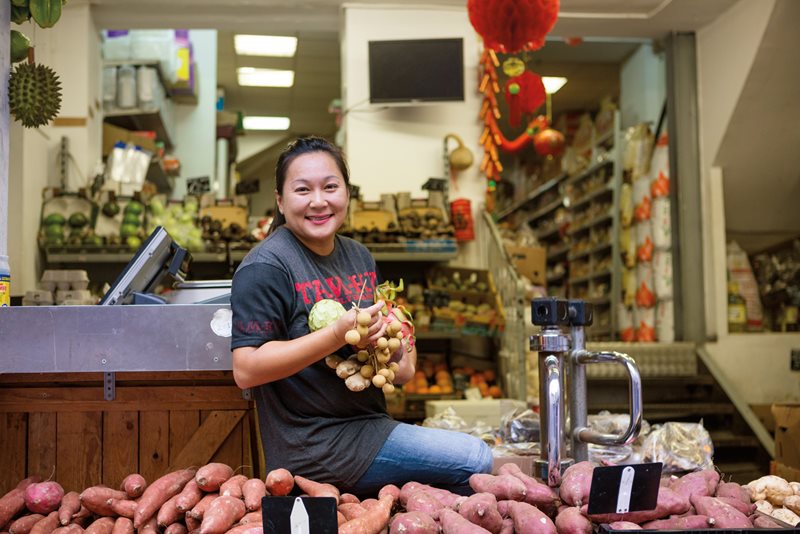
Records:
x=442, y=458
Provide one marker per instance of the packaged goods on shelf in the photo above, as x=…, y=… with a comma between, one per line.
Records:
x=665, y=321
x=489, y=411
x=662, y=274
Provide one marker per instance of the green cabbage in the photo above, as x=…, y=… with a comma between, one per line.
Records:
x=323, y=313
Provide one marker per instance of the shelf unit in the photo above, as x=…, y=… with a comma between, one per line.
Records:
x=583, y=257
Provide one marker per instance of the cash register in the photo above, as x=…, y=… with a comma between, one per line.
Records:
x=160, y=263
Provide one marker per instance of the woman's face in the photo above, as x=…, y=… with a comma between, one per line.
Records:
x=314, y=200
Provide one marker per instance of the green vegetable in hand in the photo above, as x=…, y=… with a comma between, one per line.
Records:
x=323, y=313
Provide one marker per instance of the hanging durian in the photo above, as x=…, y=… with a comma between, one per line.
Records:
x=34, y=94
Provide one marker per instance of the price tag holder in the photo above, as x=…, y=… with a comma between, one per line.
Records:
x=299, y=515
x=624, y=488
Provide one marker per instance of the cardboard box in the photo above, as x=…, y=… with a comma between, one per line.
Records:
x=530, y=262
x=113, y=134
x=489, y=411
x=787, y=434
x=525, y=463
x=784, y=471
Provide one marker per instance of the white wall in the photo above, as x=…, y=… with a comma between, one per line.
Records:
x=195, y=132
x=398, y=148
x=252, y=143
x=34, y=152
x=757, y=364
x=643, y=87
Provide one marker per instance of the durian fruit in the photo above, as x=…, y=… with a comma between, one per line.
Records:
x=34, y=94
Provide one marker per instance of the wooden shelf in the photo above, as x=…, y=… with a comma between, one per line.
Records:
x=140, y=119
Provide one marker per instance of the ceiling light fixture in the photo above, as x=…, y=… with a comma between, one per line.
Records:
x=266, y=123
x=265, y=45
x=254, y=77
x=553, y=83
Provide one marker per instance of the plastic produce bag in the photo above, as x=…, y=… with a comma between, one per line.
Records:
x=520, y=426
x=679, y=446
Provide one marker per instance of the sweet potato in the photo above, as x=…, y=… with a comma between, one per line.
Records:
x=43, y=497
x=159, y=492
x=223, y=512
x=623, y=525
x=149, y=527
x=734, y=491
x=503, y=487
x=133, y=485
x=540, y=495
x=746, y=509
x=390, y=489
x=576, y=484
x=233, y=486
x=771, y=488
x=453, y=523
x=96, y=500
x=25, y=482
x=669, y=503
x=446, y=497
x=11, y=504
x=46, y=525
x=192, y=524
x=24, y=524
x=422, y=501
x=689, y=522
x=169, y=513
x=508, y=526
x=176, y=528
x=70, y=505
x=348, y=498
x=123, y=508
x=251, y=517
x=503, y=507
x=252, y=492
x=250, y=528
x=340, y=519
x=763, y=521
x=189, y=496
x=279, y=482
x=351, y=510
x=529, y=519
x=373, y=521
x=481, y=509
x=570, y=520
x=413, y=523
x=199, y=509
x=695, y=483
x=211, y=476
x=316, y=489
x=122, y=525
x=101, y=525
x=72, y=528
x=724, y=515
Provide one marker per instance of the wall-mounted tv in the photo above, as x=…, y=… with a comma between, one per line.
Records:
x=416, y=70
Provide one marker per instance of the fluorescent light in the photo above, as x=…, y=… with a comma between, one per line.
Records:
x=265, y=45
x=553, y=83
x=265, y=77
x=266, y=123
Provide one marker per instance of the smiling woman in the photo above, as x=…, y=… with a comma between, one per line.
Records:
x=303, y=405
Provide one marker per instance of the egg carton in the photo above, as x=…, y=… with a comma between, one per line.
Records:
x=64, y=296
x=652, y=359
x=38, y=297
x=64, y=280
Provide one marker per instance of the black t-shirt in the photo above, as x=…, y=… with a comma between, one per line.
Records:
x=311, y=424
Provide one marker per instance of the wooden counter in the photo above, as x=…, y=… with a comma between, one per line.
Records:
x=60, y=426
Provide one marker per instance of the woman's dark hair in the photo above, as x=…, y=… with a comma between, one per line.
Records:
x=298, y=147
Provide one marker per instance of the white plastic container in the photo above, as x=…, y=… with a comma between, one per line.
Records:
x=5, y=282
x=126, y=87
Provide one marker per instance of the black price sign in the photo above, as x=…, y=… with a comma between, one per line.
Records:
x=624, y=488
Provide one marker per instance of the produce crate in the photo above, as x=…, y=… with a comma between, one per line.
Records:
x=484, y=280
x=61, y=427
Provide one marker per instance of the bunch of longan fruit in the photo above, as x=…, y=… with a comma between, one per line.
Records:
x=370, y=366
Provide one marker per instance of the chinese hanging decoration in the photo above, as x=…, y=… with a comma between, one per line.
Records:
x=509, y=27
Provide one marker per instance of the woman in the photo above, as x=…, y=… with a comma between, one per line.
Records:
x=311, y=424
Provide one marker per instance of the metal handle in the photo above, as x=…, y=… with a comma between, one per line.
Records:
x=553, y=430
x=588, y=435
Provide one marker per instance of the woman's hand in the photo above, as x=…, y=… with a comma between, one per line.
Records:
x=375, y=328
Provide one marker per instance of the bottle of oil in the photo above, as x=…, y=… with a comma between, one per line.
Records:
x=737, y=309
x=5, y=281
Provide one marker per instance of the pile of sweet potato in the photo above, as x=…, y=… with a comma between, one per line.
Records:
x=214, y=500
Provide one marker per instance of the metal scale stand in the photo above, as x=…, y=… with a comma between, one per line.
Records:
x=561, y=344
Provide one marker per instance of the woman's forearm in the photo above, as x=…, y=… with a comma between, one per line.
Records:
x=274, y=360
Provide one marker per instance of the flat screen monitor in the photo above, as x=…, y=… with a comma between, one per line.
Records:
x=158, y=257
x=416, y=70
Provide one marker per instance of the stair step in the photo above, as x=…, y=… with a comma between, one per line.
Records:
x=726, y=438
x=741, y=472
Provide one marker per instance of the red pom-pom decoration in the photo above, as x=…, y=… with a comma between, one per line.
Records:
x=524, y=94
x=549, y=142
x=509, y=26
